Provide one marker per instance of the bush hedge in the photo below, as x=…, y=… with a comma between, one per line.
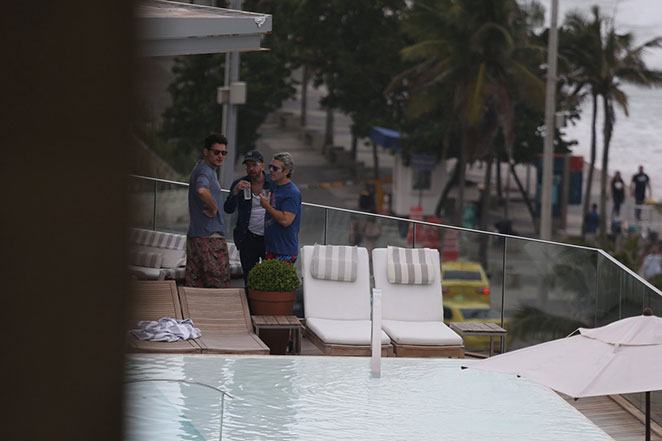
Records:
x=273, y=275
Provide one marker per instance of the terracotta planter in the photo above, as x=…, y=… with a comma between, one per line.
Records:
x=273, y=303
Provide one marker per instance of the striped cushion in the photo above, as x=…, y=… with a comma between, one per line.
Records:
x=409, y=266
x=158, y=239
x=331, y=262
x=149, y=260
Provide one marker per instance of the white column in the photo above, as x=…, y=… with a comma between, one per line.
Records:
x=376, y=339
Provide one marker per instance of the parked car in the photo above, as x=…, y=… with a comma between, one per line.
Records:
x=474, y=312
x=464, y=281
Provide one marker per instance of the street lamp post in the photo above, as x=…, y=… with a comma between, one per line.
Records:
x=548, y=152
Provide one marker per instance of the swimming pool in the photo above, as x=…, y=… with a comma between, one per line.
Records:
x=329, y=398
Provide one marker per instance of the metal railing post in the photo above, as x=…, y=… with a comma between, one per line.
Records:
x=326, y=224
x=156, y=189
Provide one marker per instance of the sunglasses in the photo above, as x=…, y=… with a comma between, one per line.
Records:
x=217, y=152
x=274, y=168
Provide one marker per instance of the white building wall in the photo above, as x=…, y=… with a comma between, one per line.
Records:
x=404, y=196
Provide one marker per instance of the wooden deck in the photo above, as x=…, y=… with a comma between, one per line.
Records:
x=611, y=417
x=604, y=412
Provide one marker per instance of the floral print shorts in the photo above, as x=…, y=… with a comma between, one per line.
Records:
x=207, y=262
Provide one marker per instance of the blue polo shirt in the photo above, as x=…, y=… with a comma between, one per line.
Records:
x=279, y=239
x=204, y=176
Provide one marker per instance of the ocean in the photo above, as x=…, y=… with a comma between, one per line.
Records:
x=637, y=138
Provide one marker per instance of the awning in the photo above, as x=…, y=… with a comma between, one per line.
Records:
x=387, y=138
x=168, y=28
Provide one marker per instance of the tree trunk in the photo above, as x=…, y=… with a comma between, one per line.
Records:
x=459, y=202
x=304, y=95
x=483, y=220
x=355, y=142
x=608, y=128
x=375, y=161
x=328, y=128
x=589, y=182
x=498, y=181
x=525, y=195
x=447, y=189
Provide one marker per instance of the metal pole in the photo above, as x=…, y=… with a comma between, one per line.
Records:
x=503, y=292
x=230, y=112
x=548, y=153
x=648, y=416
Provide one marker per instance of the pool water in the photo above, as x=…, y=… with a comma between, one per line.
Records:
x=330, y=398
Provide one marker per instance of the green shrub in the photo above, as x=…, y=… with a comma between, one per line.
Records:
x=273, y=275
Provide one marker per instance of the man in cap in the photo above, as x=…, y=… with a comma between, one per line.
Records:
x=207, y=260
x=245, y=196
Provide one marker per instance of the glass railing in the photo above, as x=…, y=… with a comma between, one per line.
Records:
x=538, y=290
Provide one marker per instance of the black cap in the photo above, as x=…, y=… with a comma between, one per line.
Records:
x=253, y=155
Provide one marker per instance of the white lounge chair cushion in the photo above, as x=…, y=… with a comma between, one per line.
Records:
x=331, y=262
x=421, y=333
x=343, y=332
x=170, y=245
x=409, y=266
x=413, y=303
x=144, y=273
x=334, y=300
x=146, y=259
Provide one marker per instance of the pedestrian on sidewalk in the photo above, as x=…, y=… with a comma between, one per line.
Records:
x=283, y=211
x=617, y=193
x=592, y=221
x=640, y=181
x=245, y=198
x=207, y=259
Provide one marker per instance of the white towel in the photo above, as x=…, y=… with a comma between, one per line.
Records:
x=166, y=329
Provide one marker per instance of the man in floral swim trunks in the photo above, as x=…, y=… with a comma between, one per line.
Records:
x=207, y=260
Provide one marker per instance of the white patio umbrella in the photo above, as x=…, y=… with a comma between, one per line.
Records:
x=622, y=357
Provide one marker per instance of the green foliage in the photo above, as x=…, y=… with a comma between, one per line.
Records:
x=353, y=48
x=273, y=275
x=194, y=112
x=532, y=324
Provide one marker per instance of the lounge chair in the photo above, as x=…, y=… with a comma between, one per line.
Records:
x=412, y=306
x=223, y=318
x=153, y=300
x=337, y=300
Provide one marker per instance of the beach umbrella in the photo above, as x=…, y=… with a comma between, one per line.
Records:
x=622, y=357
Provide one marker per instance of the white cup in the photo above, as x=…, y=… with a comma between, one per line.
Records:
x=247, y=193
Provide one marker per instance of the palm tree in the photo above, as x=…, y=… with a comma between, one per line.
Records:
x=473, y=50
x=581, y=52
x=605, y=60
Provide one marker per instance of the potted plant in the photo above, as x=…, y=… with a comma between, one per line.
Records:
x=271, y=288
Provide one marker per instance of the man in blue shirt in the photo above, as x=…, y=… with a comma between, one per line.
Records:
x=283, y=207
x=640, y=182
x=249, y=232
x=207, y=260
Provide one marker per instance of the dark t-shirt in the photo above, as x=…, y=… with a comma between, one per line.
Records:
x=640, y=180
x=279, y=239
x=618, y=189
x=204, y=175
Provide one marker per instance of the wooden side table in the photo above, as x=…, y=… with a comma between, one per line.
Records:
x=290, y=322
x=479, y=328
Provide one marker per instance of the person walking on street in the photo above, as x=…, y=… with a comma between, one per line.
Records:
x=640, y=181
x=245, y=197
x=207, y=260
x=592, y=221
x=283, y=211
x=617, y=193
